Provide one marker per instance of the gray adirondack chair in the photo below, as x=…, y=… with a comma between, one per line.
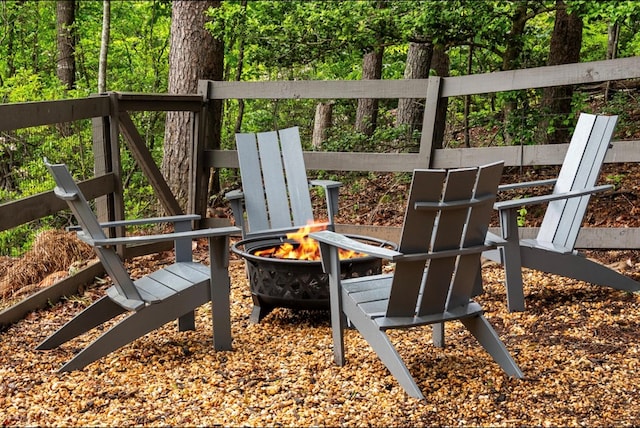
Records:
x=275, y=188
x=444, y=229
x=275, y=191
x=173, y=292
x=553, y=249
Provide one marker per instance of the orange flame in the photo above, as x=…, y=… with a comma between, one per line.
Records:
x=305, y=247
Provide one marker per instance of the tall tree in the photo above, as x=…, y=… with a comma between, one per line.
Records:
x=566, y=41
x=104, y=46
x=194, y=54
x=66, y=41
x=417, y=66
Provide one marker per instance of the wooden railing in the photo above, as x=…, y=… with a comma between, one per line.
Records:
x=434, y=90
x=110, y=115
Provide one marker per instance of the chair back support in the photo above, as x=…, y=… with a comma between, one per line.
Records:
x=580, y=170
x=274, y=180
x=67, y=189
x=447, y=216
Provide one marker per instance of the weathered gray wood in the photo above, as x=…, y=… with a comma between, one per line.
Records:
x=173, y=292
x=43, y=204
x=548, y=154
x=540, y=77
x=553, y=249
x=454, y=210
x=37, y=113
x=159, y=102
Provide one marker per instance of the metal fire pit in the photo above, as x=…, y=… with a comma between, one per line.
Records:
x=293, y=283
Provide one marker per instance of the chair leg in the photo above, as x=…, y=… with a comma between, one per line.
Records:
x=488, y=338
x=140, y=323
x=387, y=353
x=437, y=334
x=578, y=267
x=100, y=311
x=187, y=322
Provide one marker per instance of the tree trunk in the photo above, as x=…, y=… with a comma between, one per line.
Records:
x=66, y=42
x=566, y=41
x=321, y=123
x=509, y=61
x=440, y=64
x=194, y=54
x=104, y=46
x=367, y=110
x=417, y=66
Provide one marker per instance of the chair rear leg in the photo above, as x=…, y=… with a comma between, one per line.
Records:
x=578, y=267
x=488, y=338
x=387, y=353
x=140, y=323
x=100, y=311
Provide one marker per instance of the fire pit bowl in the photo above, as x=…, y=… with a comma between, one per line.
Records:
x=294, y=283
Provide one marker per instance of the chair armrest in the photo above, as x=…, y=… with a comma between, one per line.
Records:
x=341, y=241
x=234, y=194
x=535, y=200
x=148, y=239
x=331, y=190
x=136, y=222
x=527, y=184
x=494, y=240
x=327, y=184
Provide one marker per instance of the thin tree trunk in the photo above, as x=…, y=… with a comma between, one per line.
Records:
x=104, y=46
x=321, y=123
x=367, y=110
x=417, y=66
x=566, y=41
x=66, y=43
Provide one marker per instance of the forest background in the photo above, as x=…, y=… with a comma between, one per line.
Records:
x=63, y=49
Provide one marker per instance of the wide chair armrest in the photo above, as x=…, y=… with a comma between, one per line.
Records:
x=536, y=200
x=149, y=239
x=331, y=190
x=342, y=241
x=144, y=221
x=527, y=184
x=234, y=194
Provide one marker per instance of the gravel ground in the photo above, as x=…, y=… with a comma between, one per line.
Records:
x=577, y=345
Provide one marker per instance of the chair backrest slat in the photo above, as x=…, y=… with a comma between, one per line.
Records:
x=580, y=170
x=275, y=187
x=250, y=173
x=69, y=190
x=297, y=182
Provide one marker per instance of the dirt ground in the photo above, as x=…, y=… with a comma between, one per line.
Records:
x=576, y=343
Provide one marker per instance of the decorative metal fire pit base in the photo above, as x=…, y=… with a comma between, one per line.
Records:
x=293, y=283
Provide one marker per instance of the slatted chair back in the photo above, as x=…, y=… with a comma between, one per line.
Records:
x=447, y=216
x=274, y=180
x=67, y=189
x=580, y=170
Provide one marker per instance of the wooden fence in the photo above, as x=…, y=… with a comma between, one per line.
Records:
x=111, y=118
x=434, y=90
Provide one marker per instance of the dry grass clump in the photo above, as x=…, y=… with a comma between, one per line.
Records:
x=53, y=251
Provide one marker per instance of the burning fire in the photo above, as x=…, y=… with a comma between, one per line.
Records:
x=305, y=248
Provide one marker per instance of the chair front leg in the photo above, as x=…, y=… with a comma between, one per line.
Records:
x=512, y=259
